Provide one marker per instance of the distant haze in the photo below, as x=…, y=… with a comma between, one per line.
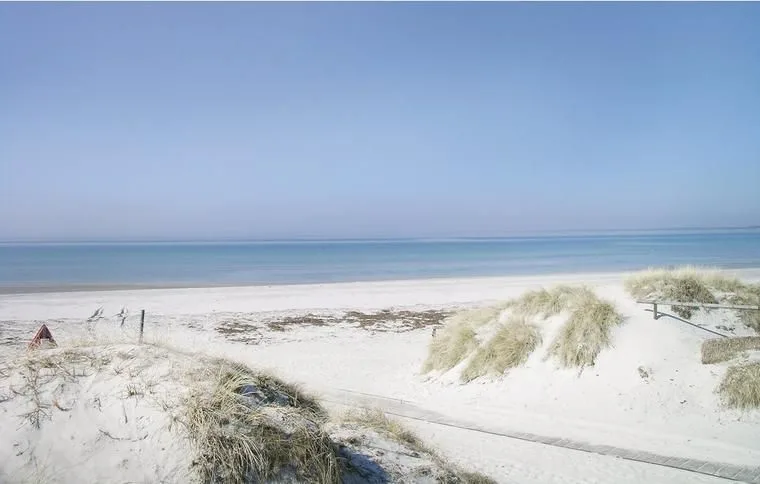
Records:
x=294, y=120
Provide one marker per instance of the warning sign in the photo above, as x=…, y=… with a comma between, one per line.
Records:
x=43, y=337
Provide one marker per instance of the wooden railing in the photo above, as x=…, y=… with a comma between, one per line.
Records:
x=697, y=305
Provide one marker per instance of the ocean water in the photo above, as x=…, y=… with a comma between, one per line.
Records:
x=39, y=266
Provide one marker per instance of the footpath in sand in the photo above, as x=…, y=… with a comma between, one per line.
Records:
x=539, y=423
x=399, y=408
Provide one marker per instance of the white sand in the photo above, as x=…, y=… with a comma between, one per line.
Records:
x=674, y=412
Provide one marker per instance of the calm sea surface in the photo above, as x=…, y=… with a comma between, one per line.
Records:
x=36, y=266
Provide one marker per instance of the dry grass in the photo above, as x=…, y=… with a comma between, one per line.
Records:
x=697, y=285
x=748, y=294
x=586, y=332
x=548, y=302
x=581, y=339
x=740, y=387
x=393, y=429
x=456, y=341
x=653, y=281
x=245, y=426
x=476, y=317
x=687, y=284
x=239, y=442
x=39, y=368
x=296, y=397
x=380, y=423
x=509, y=347
x=724, y=349
x=242, y=426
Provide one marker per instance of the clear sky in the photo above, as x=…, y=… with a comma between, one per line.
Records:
x=181, y=120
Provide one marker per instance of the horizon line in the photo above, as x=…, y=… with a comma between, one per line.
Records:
x=517, y=235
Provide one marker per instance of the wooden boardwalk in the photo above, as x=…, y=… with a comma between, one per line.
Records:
x=407, y=410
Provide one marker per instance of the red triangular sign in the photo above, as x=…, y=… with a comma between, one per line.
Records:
x=42, y=334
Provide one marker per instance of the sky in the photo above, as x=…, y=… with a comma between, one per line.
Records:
x=352, y=120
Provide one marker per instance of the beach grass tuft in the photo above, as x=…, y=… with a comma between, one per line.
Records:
x=548, y=302
x=238, y=442
x=747, y=294
x=509, y=347
x=476, y=317
x=586, y=332
x=456, y=340
x=379, y=422
x=724, y=349
x=740, y=387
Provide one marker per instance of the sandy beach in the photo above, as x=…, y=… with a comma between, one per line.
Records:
x=329, y=338
x=379, y=243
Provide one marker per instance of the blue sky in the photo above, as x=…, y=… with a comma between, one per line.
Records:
x=253, y=120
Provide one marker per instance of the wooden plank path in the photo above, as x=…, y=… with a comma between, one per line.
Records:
x=403, y=409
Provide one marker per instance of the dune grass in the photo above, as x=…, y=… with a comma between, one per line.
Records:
x=509, y=347
x=725, y=349
x=379, y=422
x=456, y=341
x=697, y=285
x=586, y=332
x=645, y=283
x=748, y=294
x=548, y=302
x=740, y=387
x=272, y=385
x=477, y=317
x=687, y=284
x=578, y=343
x=238, y=442
x=449, y=347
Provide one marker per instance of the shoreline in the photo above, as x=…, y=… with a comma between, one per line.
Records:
x=301, y=298
x=41, y=289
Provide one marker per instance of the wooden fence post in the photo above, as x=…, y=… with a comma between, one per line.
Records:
x=654, y=310
x=142, y=324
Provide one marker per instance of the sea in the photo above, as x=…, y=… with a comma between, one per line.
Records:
x=61, y=266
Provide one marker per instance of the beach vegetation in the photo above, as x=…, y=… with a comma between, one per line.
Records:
x=476, y=317
x=225, y=422
x=509, y=347
x=718, y=350
x=586, y=332
x=456, y=340
x=740, y=387
x=696, y=285
x=238, y=439
x=492, y=347
x=749, y=295
x=548, y=302
x=379, y=422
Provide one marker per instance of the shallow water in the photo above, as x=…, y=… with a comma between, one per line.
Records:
x=199, y=264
